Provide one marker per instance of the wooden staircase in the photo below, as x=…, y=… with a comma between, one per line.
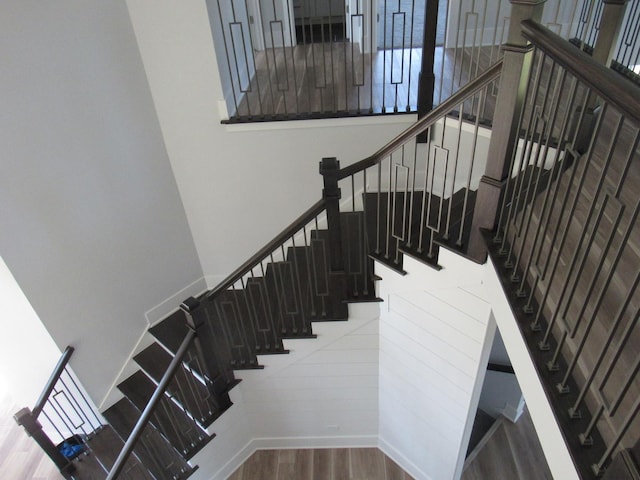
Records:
x=240, y=324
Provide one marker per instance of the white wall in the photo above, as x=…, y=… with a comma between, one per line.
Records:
x=93, y=228
x=324, y=393
x=435, y=339
x=23, y=376
x=240, y=185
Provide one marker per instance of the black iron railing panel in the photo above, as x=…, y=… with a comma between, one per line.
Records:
x=567, y=245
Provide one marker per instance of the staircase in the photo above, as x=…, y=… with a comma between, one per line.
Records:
x=564, y=237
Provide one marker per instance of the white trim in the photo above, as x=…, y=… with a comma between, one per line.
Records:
x=171, y=304
x=365, y=441
x=153, y=316
x=402, y=461
x=395, y=119
x=542, y=415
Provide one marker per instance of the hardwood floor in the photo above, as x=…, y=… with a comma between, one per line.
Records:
x=320, y=464
x=20, y=457
x=512, y=452
x=338, y=78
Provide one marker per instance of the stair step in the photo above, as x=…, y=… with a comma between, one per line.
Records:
x=153, y=449
x=182, y=432
x=454, y=241
x=186, y=388
x=229, y=310
x=104, y=446
x=171, y=331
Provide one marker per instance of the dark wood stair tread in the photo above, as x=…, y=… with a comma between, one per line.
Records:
x=189, y=390
x=171, y=331
x=181, y=431
x=153, y=450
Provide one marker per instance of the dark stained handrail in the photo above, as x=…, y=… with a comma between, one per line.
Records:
x=136, y=433
x=51, y=383
x=421, y=125
x=610, y=86
x=260, y=255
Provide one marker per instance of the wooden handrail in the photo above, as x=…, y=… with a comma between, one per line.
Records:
x=136, y=433
x=282, y=237
x=607, y=84
x=51, y=383
x=432, y=117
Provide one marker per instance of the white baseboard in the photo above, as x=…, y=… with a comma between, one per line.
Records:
x=404, y=463
x=153, y=316
x=172, y=303
x=364, y=441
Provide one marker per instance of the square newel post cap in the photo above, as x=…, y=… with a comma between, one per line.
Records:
x=190, y=304
x=329, y=164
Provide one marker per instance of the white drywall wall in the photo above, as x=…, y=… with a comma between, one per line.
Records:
x=241, y=184
x=93, y=228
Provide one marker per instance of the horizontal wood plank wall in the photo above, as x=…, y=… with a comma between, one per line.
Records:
x=324, y=392
x=431, y=348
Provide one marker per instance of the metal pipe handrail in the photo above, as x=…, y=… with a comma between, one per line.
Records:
x=136, y=433
x=607, y=84
x=427, y=121
x=51, y=383
x=276, y=242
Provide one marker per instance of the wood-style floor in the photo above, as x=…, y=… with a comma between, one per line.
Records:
x=20, y=457
x=320, y=464
x=512, y=451
x=338, y=78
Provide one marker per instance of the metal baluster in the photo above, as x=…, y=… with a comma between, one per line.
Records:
x=476, y=128
x=597, y=468
x=255, y=63
x=293, y=49
x=517, y=195
x=389, y=205
x=384, y=58
x=226, y=51
x=378, y=208
x=598, y=304
x=373, y=51
x=413, y=13
x=559, y=87
x=235, y=58
x=266, y=57
x=456, y=156
x=307, y=253
x=574, y=410
x=585, y=437
x=566, y=230
x=617, y=353
x=426, y=203
x=413, y=191
x=590, y=214
x=533, y=80
x=251, y=312
x=365, y=238
x=567, y=191
x=297, y=289
x=86, y=401
x=532, y=187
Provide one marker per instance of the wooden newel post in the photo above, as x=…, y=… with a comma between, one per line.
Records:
x=195, y=319
x=517, y=63
x=33, y=428
x=610, y=28
x=329, y=168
